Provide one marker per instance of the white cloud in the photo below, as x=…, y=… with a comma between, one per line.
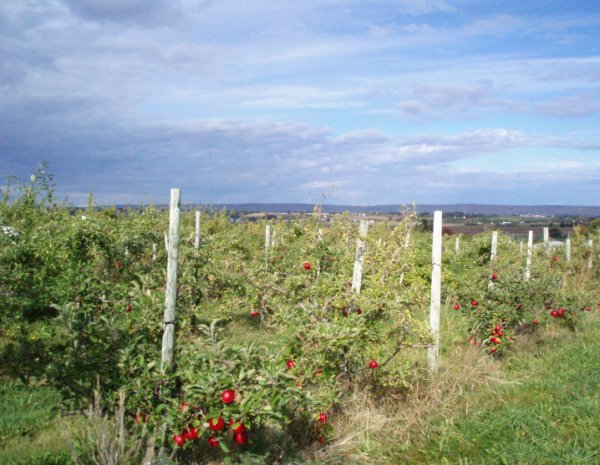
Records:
x=238, y=100
x=570, y=106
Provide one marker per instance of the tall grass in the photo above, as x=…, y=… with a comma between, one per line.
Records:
x=539, y=406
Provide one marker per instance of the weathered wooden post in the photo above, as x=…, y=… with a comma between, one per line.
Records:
x=433, y=351
x=494, y=245
x=547, y=240
x=529, y=253
x=457, y=245
x=591, y=255
x=168, y=342
x=568, y=247
x=319, y=239
x=197, y=238
x=361, y=246
x=267, y=240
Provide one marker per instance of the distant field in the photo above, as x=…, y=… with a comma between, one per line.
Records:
x=520, y=231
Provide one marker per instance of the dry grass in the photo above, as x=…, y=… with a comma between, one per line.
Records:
x=102, y=439
x=367, y=423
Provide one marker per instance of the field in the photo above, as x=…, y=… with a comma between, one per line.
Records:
x=277, y=359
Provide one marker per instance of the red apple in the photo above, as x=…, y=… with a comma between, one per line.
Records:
x=183, y=407
x=561, y=312
x=237, y=426
x=290, y=364
x=554, y=258
x=494, y=277
x=228, y=396
x=216, y=425
x=254, y=313
x=322, y=417
x=553, y=313
x=179, y=439
x=373, y=364
x=535, y=322
x=191, y=433
x=241, y=437
x=306, y=266
x=212, y=442
x=474, y=303
x=456, y=306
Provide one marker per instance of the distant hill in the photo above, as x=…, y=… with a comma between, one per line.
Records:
x=467, y=209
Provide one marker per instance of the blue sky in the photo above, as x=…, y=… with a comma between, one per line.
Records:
x=348, y=102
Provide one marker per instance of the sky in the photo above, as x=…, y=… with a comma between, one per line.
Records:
x=358, y=102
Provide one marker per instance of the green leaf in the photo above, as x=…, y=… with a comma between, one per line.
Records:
x=223, y=447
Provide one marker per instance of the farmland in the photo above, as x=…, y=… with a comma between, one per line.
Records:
x=277, y=358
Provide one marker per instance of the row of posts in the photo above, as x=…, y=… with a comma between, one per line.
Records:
x=172, y=245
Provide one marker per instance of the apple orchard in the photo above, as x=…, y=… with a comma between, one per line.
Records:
x=270, y=335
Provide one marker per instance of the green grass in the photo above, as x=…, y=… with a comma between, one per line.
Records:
x=29, y=426
x=547, y=412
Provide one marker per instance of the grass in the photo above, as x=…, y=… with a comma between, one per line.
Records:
x=29, y=426
x=547, y=410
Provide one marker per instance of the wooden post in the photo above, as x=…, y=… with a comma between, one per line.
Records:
x=521, y=248
x=591, y=255
x=168, y=342
x=457, y=245
x=197, y=238
x=529, y=253
x=166, y=243
x=494, y=245
x=267, y=240
x=361, y=246
x=433, y=352
x=319, y=239
x=547, y=240
x=154, y=251
x=568, y=247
